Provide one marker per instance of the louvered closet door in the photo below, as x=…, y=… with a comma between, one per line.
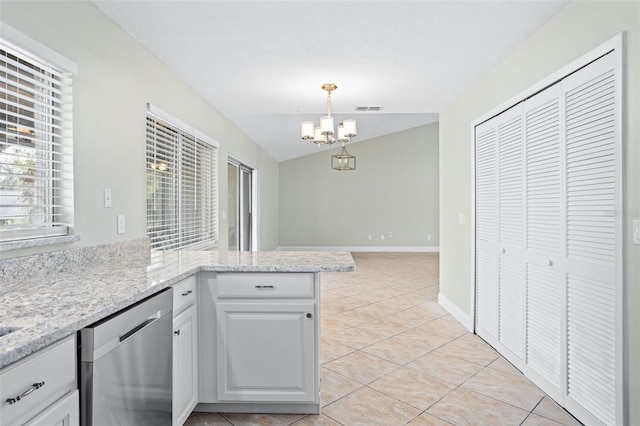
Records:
x=593, y=230
x=545, y=242
x=487, y=248
x=512, y=289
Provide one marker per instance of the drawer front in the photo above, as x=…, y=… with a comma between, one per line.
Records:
x=184, y=293
x=55, y=366
x=265, y=285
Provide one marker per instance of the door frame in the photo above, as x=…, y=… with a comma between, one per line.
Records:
x=254, y=243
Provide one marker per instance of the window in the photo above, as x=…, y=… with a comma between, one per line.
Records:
x=181, y=185
x=36, y=163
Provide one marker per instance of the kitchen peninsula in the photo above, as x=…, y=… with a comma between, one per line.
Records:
x=46, y=298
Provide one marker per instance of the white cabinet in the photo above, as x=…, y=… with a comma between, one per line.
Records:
x=41, y=389
x=62, y=413
x=185, y=350
x=266, y=351
x=259, y=335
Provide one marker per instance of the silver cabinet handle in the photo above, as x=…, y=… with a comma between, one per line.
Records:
x=33, y=387
x=186, y=293
x=264, y=286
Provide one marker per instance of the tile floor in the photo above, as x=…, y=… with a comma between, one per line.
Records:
x=392, y=356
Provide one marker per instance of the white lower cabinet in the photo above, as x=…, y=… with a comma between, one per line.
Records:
x=185, y=350
x=62, y=413
x=266, y=351
x=259, y=342
x=42, y=389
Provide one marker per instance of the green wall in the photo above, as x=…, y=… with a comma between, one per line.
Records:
x=393, y=189
x=575, y=30
x=116, y=78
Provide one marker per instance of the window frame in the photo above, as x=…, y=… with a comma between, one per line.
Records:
x=184, y=145
x=60, y=144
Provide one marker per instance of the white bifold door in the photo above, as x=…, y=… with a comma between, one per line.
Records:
x=549, y=239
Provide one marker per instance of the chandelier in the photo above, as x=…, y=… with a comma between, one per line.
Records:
x=324, y=134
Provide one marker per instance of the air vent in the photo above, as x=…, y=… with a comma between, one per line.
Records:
x=368, y=108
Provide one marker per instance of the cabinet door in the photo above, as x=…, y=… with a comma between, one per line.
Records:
x=266, y=352
x=64, y=412
x=185, y=365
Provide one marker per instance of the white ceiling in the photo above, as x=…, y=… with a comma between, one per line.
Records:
x=261, y=63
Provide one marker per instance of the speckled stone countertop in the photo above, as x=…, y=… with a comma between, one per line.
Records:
x=50, y=305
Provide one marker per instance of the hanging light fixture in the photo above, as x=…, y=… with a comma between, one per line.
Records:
x=324, y=133
x=343, y=160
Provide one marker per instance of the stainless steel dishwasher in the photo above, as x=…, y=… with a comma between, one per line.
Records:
x=125, y=366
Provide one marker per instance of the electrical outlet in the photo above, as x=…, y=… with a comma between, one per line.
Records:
x=382, y=237
x=429, y=237
x=370, y=237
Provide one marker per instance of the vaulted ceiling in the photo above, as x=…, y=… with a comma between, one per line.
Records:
x=261, y=63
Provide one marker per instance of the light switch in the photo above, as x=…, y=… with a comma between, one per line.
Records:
x=636, y=231
x=107, y=197
x=120, y=224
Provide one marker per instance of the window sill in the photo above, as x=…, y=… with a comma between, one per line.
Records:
x=37, y=242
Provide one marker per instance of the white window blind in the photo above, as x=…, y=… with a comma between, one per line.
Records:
x=181, y=187
x=36, y=163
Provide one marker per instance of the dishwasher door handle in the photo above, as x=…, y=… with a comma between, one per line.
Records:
x=139, y=327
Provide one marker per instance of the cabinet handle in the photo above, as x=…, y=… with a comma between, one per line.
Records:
x=264, y=286
x=33, y=387
x=549, y=262
x=504, y=250
x=186, y=293
x=309, y=315
x=177, y=332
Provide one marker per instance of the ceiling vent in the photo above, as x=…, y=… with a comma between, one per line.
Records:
x=368, y=108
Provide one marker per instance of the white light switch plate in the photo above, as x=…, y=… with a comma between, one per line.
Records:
x=120, y=224
x=107, y=197
x=636, y=231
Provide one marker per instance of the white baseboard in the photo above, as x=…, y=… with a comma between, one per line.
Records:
x=462, y=317
x=421, y=249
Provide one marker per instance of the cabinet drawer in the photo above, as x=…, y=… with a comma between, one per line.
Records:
x=266, y=285
x=55, y=366
x=184, y=293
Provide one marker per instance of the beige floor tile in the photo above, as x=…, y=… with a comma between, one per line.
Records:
x=536, y=420
x=425, y=419
x=361, y=367
x=330, y=350
x=414, y=388
x=550, y=410
x=397, y=349
x=369, y=407
x=464, y=407
x=206, y=419
x=239, y=419
x=504, y=365
x=506, y=387
x=471, y=348
x=334, y=386
x=444, y=367
x=358, y=338
x=313, y=420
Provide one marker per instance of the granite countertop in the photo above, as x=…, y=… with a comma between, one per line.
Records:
x=51, y=306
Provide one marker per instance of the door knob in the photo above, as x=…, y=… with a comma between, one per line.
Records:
x=309, y=315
